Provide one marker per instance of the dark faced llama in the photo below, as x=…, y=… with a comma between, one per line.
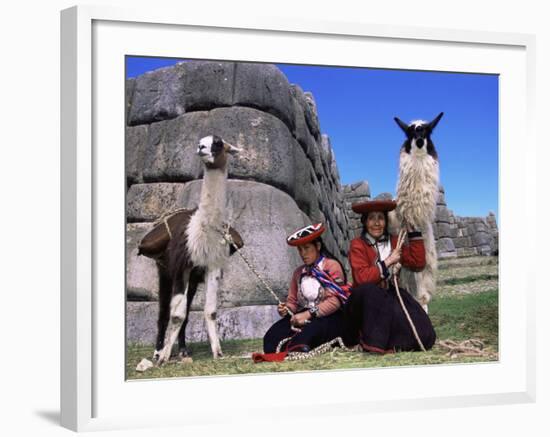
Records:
x=194, y=251
x=417, y=191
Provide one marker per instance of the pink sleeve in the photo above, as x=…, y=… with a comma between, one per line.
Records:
x=331, y=303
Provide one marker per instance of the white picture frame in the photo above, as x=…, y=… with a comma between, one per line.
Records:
x=93, y=394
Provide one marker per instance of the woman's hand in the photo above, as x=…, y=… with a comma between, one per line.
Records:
x=300, y=319
x=282, y=309
x=393, y=258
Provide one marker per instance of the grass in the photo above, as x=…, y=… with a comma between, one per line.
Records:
x=457, y=317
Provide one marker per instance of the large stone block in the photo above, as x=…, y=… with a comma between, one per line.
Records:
x=481, y=239
x=445, y=245
x=232, y=323
x=136, y=145
x=268, y=146
x=308, y=107
x=462, y=242
x=129, y=94
x=265, y=87
x=443, y=230
x=442, y=214
x=170, y=154
x=307, y=189
x=157, y=95
x=147, y=202
x=208, y=84
x=141, y=272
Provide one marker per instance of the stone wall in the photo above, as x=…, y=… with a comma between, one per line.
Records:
x=455, y=236
x=286, y=176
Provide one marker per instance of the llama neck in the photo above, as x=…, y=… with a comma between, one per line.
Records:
x=212, y=200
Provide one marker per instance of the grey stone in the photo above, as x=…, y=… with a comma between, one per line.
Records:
x=442, y=214
x=158, y=95
x=461, y=242
x=307, y=189
x=327, y=151
x=265, y=87
x=170, y=155
x=129, y=94
x=485, y=250
x=208, y=84
x=442, y=230
x=308, y=107
x=268, y=146
x=481, y=239
x=445, y=245
x=141, y=272
x=383, y=196
x=135, y=146
x=147, y=202
x=233, y=323
x=360, y=189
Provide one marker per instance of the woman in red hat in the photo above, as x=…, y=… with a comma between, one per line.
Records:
x=314, y=298
x=374, y=317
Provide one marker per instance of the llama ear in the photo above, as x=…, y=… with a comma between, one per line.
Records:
x=434, y=122
x=402, y=124
x=229, y=148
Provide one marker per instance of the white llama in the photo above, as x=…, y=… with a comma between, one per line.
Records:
x=417, y=191
x=195, y=252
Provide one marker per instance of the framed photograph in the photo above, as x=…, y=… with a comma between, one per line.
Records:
x=309, y=108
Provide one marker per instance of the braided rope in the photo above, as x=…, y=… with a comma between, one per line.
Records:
x=395, y=269
x=319, y=350
x=229, y=239
x=472, y=347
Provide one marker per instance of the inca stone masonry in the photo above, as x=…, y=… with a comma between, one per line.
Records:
x=287, y=178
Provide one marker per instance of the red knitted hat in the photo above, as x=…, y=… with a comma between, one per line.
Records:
x=374, y=205
x=305, y=235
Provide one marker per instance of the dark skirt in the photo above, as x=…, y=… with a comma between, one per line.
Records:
x=374, y=318
x=319, y=331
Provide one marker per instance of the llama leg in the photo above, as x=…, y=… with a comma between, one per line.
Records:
x=195, y=278
x=165, y=294
x=178, y=310
x=212, y=284
x=426, y=279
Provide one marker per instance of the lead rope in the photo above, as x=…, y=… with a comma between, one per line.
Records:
x=395, y=270
x=321, y=349
x=229, y=239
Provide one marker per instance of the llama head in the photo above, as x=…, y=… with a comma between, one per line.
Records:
x=213, y=150
x=418, y=134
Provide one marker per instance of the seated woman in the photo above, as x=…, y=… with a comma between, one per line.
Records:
x=374, y=317
x=313, y=297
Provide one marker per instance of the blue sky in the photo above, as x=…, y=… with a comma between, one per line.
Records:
x=356, y=107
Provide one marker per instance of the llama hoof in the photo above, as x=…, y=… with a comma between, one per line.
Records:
x=163, y=357
x=184, y=352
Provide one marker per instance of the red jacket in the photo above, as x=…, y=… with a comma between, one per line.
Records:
x=365, y=266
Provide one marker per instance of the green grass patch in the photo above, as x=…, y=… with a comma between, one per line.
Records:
x=456, y=317
x=468, y=279
x=466, y=316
